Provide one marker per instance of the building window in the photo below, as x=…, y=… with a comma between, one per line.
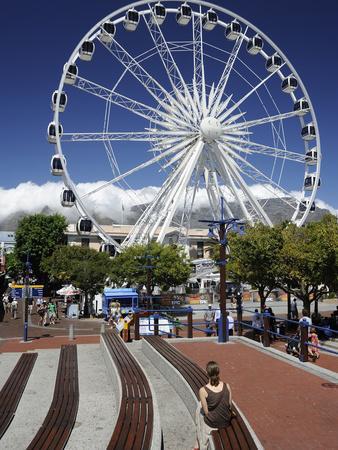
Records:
x=200, y=249
x=85, y=242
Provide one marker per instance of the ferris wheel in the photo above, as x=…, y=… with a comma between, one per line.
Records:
x=194, y=98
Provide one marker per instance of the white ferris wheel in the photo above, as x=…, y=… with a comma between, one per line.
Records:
x=197, y=94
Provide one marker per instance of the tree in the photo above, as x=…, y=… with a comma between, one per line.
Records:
x=170, y=266
x=38, y=236
x=254, y=258
x=309, y=259
x=86, y=268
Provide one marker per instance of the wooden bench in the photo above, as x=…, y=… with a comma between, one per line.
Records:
x=12, y=391
x=134, y=426
x=58, y=424
x=235, y=436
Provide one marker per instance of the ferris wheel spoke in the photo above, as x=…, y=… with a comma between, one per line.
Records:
x=199, y=75
x=155, y=89
x=262, y=121
x=223, y=116
x=175, y=77
x=226, y=74
x=137, y=136
x=249, y=147
x=252, y=172
x=157, y=158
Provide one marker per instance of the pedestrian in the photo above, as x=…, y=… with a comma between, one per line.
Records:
x=52, y=312
x=214, y=409
x=231, y=323
x=313, y=351
x=256, y=324
x=306, y=319
x=30, y=305
x=272, y=324
x=294, y=309
x=14, y=308
x=217, y=316
x=209, y=317
x=41, y=310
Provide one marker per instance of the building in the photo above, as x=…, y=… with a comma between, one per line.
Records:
x=7, y=243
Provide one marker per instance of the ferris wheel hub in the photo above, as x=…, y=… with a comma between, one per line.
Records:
x=211, y=129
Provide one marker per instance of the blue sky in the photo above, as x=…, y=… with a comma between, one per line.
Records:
x=38, y=37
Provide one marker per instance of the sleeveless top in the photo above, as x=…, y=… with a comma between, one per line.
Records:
x=219, y=414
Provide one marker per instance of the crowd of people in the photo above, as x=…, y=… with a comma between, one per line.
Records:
x=211, y=320
x=46, y=310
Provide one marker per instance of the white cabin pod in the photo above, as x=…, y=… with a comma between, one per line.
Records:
x=274, y=63
x=107, y=32
x=289, y=84
x=71, y=74
x=183, y=15
x=84, y=226
x=255, y=45
x=51, y=132
x=308, y=132
x=56, y=167
x=310, y=181
x=87, y=50
x=67, y=198
x=131, y=20
x=159, y=14
x=301, y=107
x=62, y=102
x=304, y=204
x=311, y=157
x=105, y=247
x=233, y=30
x=209, y=20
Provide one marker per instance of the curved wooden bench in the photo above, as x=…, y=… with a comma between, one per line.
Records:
x=237, y=435
x=12, y=390
x=58, y=424
x=134, y=426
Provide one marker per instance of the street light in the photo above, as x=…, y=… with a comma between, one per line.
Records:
x=223, y=226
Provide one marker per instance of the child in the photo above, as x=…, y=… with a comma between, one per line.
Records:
x=313, y=351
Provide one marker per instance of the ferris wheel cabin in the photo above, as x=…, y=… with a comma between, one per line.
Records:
x=105, y=247
x=159, y=13
x=62, y=102
x=183, y=15
x=51, y=132
x=274, y=63
x=255, y=45
x=233, y=30
x=289, y=84
x=67, y=198
x=301, y=107
x=309, y=132
x=107, y=32
x=71, y=74
x=309, y=182
x=311, y=157
x=87, y=50
x=84, y=226
x=304, y=204
x=209, y=20
x=131, y=20
x=56, y=167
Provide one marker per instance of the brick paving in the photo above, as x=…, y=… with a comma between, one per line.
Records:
x=15, y=345
x=287, y=407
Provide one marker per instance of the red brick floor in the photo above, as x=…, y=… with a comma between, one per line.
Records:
x=287, y=407
x=15, y=345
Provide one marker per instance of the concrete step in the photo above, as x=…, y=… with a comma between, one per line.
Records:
x=7, y=364
x=177, y=425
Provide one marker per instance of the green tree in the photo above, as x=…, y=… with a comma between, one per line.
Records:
x=254, y=258
x=38, y=236
x=86, y=268
x=309, y=259
x=171, y=267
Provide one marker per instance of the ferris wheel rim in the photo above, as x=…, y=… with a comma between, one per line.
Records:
x=67, y=179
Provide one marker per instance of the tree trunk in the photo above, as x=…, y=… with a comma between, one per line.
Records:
x=307, y=304
x=86, y=306
x=262, y=298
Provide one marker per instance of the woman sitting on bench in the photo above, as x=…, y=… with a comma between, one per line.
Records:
x=214, y=409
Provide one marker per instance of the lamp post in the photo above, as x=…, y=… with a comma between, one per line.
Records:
x=28, y=270
x=223, y=226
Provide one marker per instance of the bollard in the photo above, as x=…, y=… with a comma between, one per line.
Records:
x=156, y=316
x=239, y=322
x=137, y=325
x=102, y=328
x=189, y=322
x=220, y=329
x=304, y=335
x=226, y=329
x=266, y=337
x=71, y=332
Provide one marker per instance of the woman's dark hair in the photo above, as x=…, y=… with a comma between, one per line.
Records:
x=213, y=373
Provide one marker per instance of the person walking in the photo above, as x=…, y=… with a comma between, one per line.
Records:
x=294, y=309
x=30, y=305
x=52, y=312
x=14, y=308
x=209, y=317
x=306, y=319
x=214, y=408
x=231, y=323
x=217, y=316
x=257, y=324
